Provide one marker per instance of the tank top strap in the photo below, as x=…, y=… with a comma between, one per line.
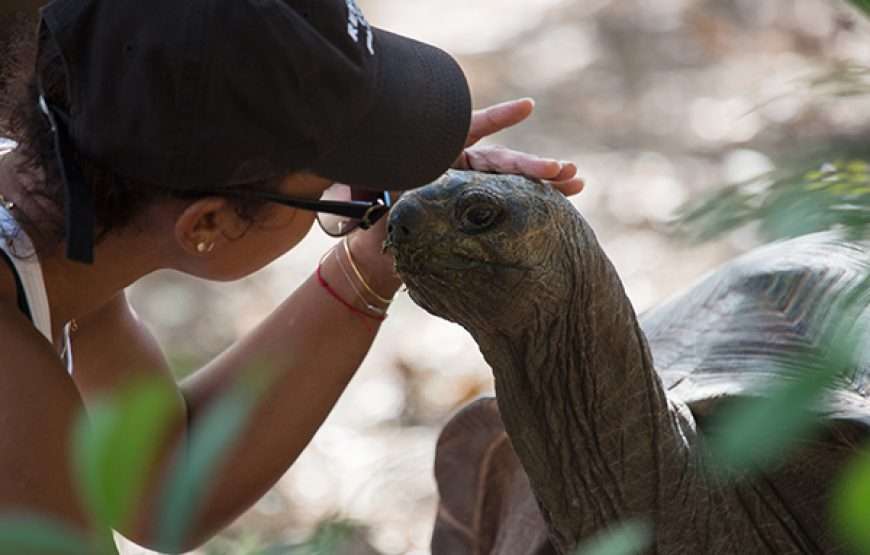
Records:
x=17, y=246
x=17, y=249
x=19, y=287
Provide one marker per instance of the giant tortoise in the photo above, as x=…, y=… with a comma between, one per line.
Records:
x=602, y=416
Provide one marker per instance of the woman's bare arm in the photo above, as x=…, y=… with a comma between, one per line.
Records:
x=313, y=345
x=39, y=406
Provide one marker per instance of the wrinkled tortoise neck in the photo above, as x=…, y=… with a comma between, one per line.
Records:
x=591, y=424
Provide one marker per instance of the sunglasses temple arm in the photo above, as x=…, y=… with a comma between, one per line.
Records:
x=348, y=209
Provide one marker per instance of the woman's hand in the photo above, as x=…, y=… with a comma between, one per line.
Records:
x=562, y=175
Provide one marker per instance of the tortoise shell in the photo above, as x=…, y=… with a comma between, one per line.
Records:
x=768, y=314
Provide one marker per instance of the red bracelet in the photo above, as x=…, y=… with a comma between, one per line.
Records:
x=333, y=293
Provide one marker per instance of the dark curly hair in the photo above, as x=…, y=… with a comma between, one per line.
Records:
x=28, y=56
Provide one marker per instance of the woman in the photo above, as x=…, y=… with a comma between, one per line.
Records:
x=199, y=136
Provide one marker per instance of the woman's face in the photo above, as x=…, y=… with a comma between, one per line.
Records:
x=242, y=247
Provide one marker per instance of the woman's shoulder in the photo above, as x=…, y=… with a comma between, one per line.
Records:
x=31, y=373
x=112, y=345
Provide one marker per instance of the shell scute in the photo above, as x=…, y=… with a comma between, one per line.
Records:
x=770, y=314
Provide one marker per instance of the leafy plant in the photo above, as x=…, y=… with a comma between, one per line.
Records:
x=863, y=5
x=37, y=535
x=331, y=537
x=823, y=189
x=629, y=538
x=851, y=507
x=209, y=440
x=115, y=444
x=828, y=190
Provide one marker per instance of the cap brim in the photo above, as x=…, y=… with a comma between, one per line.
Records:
x=417, y=126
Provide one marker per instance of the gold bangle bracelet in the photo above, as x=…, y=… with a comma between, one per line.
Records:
x=380, y=312
x=359, y=274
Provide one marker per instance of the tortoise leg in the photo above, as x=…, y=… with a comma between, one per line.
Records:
x=486, y=505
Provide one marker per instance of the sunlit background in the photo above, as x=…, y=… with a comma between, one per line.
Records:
x=657, y=102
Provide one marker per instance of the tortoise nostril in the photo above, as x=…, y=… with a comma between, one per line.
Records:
x=406, y=218
x=401, y=230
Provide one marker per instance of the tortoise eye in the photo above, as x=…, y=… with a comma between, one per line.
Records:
x=479, y=216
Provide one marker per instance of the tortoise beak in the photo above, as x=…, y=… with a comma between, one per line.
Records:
x=406, y=219
x=406, y=234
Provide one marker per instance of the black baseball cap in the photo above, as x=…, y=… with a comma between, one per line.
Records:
x=206, y=94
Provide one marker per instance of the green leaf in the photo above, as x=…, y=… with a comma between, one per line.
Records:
x=851, y=504
x=247, y=542
x=813, y=192
x=332, y=536
x=30, y=535
x=863, y=5
x=115, y=446
x=210, y=438
x=628, y=538
x=754, y=432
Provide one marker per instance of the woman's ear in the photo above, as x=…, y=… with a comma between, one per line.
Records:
x=206, y=224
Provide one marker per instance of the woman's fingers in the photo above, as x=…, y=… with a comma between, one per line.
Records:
x=562, y=175
x=567, y=171
x=491, y=120
x=567, y=181
x=569, y=187
x=504, y=160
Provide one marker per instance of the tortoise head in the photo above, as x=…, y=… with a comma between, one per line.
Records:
x=487, y=251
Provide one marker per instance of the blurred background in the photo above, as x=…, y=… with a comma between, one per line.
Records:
x=657, y=103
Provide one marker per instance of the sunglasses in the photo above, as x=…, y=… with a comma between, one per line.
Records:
x=340, y=210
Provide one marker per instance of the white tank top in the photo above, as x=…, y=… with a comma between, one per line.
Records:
x=19, y=249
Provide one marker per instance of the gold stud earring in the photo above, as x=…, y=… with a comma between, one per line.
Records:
x=203, y=247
